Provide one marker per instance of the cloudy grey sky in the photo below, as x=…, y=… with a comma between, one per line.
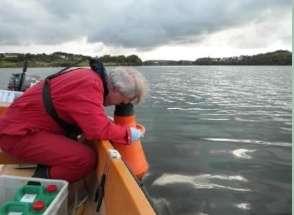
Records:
x=152, y=29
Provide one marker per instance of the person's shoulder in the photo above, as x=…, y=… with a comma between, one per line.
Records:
x=83, y=71
x=87, y=75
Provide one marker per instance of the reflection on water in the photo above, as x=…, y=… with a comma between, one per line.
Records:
x=205, y=181
x=260, y=142
x=244, y=206
x=243, y=153
x=238, y=153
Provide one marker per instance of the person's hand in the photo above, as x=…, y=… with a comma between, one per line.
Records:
x=136, y=134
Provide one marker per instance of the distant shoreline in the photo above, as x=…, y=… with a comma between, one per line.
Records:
x=20, y=68
x=61, y=59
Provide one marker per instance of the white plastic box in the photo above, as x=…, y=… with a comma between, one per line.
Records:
x=10, y=184
x=8, y=96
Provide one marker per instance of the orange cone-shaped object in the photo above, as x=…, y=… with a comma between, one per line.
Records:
x=133, y=155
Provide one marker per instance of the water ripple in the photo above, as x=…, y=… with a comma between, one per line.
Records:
x=242, y=153
x=258, y=142
x=204, y=181
x=215, y=119
x=188, y=109
x=243, y=206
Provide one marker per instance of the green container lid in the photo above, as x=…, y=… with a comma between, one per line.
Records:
x=31, y=199
x=10, y=207
x=30, y=193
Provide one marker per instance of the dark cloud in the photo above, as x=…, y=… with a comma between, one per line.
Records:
x=140, y=24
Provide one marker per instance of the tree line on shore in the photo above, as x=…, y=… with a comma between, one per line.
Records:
x=61, y=59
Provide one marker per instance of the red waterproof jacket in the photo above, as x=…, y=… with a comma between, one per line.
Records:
x=78, y=99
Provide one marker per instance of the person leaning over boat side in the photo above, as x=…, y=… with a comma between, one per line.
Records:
x=30, y=134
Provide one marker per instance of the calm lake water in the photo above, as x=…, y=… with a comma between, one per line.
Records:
x=218, y=138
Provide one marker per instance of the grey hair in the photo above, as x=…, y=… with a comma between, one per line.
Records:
x=128, y=82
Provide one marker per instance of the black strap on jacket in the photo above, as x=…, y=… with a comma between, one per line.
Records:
x=71, y=130
x=98, y=67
